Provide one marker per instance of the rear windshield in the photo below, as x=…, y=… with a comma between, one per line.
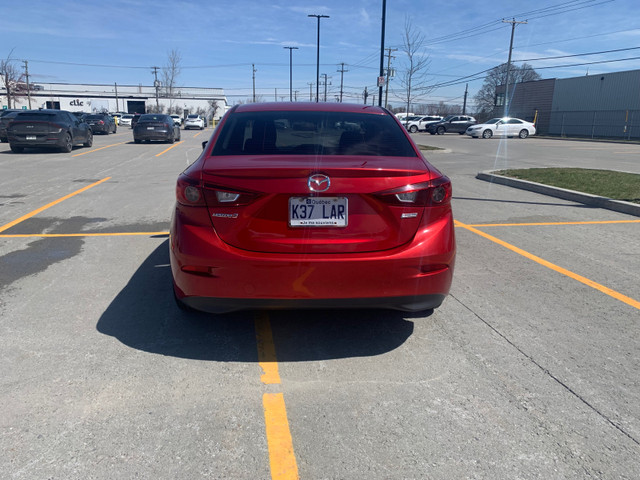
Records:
x=94, y=117
x=152, y=118
x=37, y=117
x=312, y=133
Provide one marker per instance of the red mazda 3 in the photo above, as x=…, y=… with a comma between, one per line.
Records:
x=311, y=205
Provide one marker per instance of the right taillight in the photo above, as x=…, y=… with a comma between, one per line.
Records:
x=433, y=193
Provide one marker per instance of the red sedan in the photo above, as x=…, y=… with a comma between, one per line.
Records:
x=311, y=205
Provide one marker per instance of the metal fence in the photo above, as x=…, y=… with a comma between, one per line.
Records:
x=620, y=124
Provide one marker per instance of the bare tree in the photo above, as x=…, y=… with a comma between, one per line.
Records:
x=213, y=108
x=413, y=77
x=486, y=96
x=12, y=78
x=170, y=74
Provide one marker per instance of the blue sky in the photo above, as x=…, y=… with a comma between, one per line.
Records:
x=69, y=41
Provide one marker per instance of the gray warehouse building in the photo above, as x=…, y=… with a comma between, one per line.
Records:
x=596, y=106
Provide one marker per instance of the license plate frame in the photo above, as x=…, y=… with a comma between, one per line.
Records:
x=318, y=212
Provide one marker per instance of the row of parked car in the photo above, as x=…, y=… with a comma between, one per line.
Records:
x=461, y=124
x=62, y=130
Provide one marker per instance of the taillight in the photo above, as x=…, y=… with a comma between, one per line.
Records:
x=428, y=194
x=217, y=196
x=189, y=192
x=101, y=122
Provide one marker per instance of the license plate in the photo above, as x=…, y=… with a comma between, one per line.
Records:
x=318, y=211
x=150, y=128
x=31, y=137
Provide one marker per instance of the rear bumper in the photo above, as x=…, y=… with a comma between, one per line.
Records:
x=152, y=135
x=212, y=276
x=41, y=141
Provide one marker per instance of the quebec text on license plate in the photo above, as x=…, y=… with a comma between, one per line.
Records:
x=318, y=211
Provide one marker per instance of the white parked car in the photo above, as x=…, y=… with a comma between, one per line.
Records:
x=193, y=121
x=503, y=127
x=125, y=120
x=177, y=119
x=421, y=123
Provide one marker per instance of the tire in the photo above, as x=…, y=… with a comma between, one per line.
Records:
x=413, y=129
x=16, y=149
x=432, y=133
x=440, y=131
x=89, y=142
x=137, y=140
x=460, y=133
x=487, y=133
x=178, y=139
x=67, y=146
x=524, y=133
x=172, y=139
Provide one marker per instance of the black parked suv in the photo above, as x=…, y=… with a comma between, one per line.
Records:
x=156, y=126
x=48, y=128
x=451, y=123
x=101, y=123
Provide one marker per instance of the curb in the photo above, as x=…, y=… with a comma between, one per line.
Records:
x=579, y=197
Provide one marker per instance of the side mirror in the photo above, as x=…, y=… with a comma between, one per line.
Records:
x=204, y=144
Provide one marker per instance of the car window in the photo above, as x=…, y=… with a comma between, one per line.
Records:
x=36, y=117
x=152, y=118
x=514, y=121
x=312, y=133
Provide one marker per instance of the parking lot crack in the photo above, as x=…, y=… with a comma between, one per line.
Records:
x=547, y=372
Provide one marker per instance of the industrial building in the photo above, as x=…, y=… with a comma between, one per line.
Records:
x=596, y=106
x=119, y=98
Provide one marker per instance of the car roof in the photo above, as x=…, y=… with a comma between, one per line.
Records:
x=310, y=107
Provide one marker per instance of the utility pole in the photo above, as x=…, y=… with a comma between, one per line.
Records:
x=342, y=70
x=156, y=84
x=366, y=95
x=253, y=69
x=26, y=74
x=310, y=91
x=318, y=57
x=464, y=104
x=291, y=49
x=384, y=17
x=325, y=86
x=386, y=90
x=117, y=107
x=506, y=85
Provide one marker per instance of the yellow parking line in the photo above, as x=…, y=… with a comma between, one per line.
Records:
x=607, y=291
x=282, y=458
x=96, y=149
x=596, y=222
x=199, y=133
x=172, y=146
x=37, y=211
x=266, y=350
x=61, y=235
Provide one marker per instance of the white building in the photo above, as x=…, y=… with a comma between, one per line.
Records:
x=119, y=98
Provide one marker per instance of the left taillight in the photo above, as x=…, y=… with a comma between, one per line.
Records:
x=218, y=196
x=189, y=192
x=434, y=193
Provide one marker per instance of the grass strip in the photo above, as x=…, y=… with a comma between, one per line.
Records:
x=605, y=183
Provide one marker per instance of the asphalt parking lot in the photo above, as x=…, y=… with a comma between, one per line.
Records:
x=529, y=370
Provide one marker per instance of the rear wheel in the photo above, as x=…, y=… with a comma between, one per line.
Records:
x=487, y=134
x=137, y=140
x=524, y=133
x=89, y=141
x=413, y=129
x=67, y=144
x=16, y=149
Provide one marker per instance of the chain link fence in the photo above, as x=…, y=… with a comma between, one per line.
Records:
x=620, y=124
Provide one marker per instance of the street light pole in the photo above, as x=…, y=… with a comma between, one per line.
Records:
x=291, y=49
x=318, y=57
x=384, y=18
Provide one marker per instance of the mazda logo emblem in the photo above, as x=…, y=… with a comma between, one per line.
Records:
x=319, y=183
